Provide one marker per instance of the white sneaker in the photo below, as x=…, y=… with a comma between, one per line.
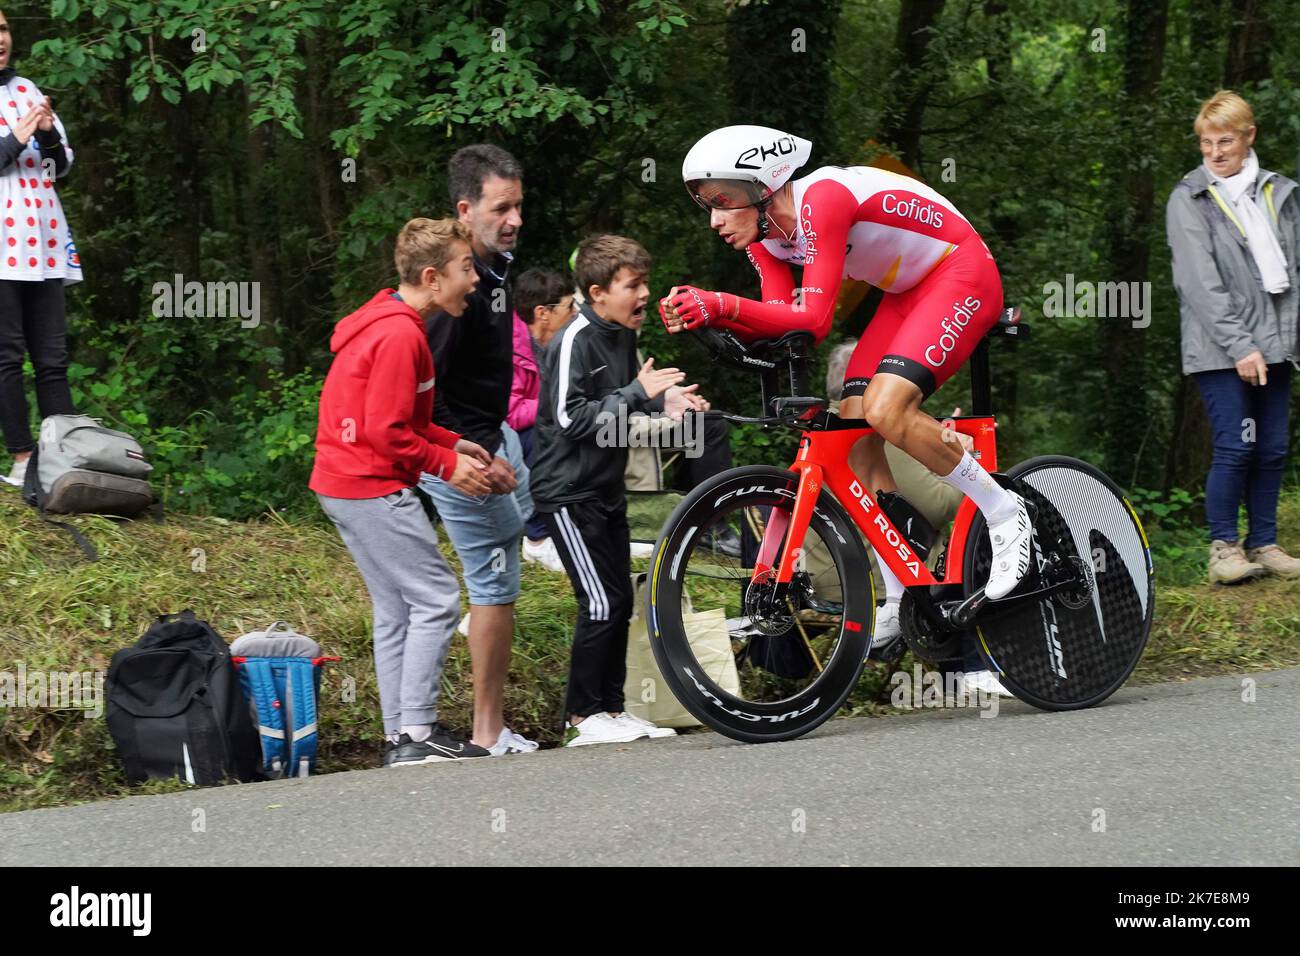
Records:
x=985, y=681
x=509, y=742
x=888, y=628
x=16, y=474
x=543, y=554
x=600, y=728
x=1010, y=539
x=742, y=627
x=651, y=730
x=463, y=627
x=640, y=549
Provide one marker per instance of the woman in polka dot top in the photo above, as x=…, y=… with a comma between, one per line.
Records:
x=37, y=257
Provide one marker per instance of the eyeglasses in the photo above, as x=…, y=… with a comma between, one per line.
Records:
x=725, y=194
x=555, y=305
x=1226, y=142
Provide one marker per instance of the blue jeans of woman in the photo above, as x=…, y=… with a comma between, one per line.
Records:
x=1250, y=427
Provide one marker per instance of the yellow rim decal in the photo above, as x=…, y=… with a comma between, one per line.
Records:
x=1137, y=521
x=654, y=578
x=979, y=632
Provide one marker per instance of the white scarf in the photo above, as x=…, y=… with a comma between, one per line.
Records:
x=1260, y=238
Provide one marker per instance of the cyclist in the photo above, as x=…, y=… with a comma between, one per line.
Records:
x=943, y=294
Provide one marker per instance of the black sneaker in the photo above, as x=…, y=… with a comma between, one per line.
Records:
x=723, y=541
x=390, y=749
x=441, y=745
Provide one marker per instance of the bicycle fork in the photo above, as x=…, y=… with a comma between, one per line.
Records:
x=792, y=526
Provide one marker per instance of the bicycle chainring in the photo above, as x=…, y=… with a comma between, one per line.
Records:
x=924, y=638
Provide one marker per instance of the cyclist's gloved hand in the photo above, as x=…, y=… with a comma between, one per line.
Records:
x=699, y=308
x=671, y=322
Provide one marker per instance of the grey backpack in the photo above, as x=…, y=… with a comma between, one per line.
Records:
x=81, y=467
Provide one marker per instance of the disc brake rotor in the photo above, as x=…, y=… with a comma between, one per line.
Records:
x=767, y=614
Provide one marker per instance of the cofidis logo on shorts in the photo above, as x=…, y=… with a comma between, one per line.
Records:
x=73, y=258
x=952, y=327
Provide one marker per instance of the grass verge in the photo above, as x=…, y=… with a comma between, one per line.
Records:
x=62, y=613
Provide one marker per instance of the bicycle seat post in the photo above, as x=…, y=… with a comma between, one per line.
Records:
x=981, y=391
x=798, y=365
x=769, y=386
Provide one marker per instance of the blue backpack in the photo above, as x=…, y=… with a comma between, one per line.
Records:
x=279, y=671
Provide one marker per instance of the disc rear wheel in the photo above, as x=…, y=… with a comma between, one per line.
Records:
x=1075, y=647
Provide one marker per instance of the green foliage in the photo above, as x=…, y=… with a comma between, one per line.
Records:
x=254, y=456
x=211, y=138
x=1175, y=529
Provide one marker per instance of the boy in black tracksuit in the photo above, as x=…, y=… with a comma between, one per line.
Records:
x=588, y=372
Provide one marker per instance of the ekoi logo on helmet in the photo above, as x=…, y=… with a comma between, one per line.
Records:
x=782, y=147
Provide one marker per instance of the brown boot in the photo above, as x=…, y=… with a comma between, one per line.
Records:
x=1228, y=564
x=1275, y=561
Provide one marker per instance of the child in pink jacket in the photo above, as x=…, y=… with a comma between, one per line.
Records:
x=544, y=300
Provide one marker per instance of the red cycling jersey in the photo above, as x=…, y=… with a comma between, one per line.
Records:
x=892, y=231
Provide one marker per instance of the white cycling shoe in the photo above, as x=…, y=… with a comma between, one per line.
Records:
x=981, y=681
x=1010, y=538
x=888, y=629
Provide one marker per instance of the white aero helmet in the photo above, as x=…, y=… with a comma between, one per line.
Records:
x=739, y=166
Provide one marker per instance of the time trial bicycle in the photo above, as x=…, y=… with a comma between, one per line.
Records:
x=799, y=599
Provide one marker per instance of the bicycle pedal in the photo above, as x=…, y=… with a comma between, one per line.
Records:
x=891, y=653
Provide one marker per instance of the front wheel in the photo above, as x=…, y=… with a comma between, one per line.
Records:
x=750, y=660
x=1076, y=647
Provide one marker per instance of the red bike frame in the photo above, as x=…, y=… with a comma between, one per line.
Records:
x=823, y=462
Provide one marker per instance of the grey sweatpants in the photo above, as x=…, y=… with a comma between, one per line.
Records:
x=415, y=595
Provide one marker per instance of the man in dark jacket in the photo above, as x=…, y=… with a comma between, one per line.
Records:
x=474, y=360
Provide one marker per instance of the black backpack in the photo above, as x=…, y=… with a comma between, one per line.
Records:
x=175, y=708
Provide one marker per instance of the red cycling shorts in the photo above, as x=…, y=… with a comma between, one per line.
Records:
x=928, y=332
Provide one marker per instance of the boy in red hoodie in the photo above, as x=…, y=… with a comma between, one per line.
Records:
x=375, y=436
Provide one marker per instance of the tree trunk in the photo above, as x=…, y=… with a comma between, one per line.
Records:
x=910, y=84
x=261, y=223
x=1125, y=405
x=1249, y=44
x=1004, y=223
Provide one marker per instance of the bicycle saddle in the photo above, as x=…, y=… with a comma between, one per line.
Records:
x=1009, y=323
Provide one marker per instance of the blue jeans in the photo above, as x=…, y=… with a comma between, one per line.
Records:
x=486, y=530
x=535, y=527
x=1250, y=425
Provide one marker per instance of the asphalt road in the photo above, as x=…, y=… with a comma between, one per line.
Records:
x=1183, y=773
